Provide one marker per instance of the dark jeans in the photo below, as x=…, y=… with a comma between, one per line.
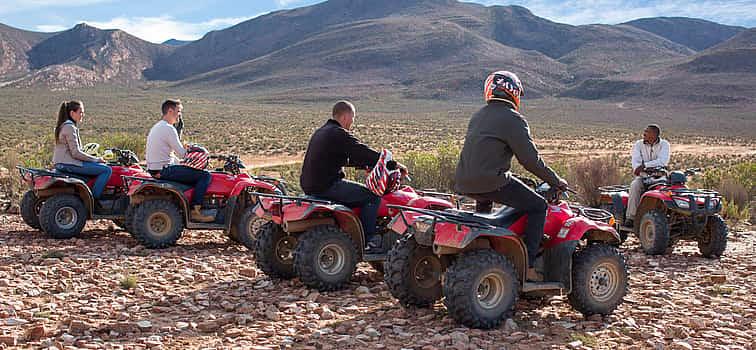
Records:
x=199, y=179
x=100, y=170
x=353, y=194
x=517, y=195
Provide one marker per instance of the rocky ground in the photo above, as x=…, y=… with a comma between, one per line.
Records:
x=102, y=290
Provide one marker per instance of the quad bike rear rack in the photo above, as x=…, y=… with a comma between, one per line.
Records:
x=614, y=188
x=287, y=199
x=30, y=173
x=436, y=214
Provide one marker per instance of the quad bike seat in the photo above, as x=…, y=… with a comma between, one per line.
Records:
x=85, y=178
x=502, y=217
x=182, y=187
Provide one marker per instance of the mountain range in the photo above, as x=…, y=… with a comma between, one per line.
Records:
x=416, y=48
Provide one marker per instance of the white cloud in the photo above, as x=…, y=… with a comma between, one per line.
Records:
x=735, y=12
x=49, y=28
x=12, y=6
x=286, y=3
x=159, y=29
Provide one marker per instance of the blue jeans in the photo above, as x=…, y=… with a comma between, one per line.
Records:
x=199, y=179
x=100, y=170
x=353, y=194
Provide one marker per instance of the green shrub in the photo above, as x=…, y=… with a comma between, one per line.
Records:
x=134, y=142
x=433, y=170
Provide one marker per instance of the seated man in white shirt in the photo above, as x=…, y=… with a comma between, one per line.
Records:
x=162, y=142
x=649, y=152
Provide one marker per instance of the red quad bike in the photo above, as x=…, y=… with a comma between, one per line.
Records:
x=321, y=241
x=478, y=262
x=161, y=207
x=666, y=213
x=60, y=203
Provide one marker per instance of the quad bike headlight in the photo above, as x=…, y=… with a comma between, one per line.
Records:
x=713, y=204
x=682, y=203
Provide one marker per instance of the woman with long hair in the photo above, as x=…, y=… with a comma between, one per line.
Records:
x=68, y=155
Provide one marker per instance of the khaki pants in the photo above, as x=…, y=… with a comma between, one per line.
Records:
x=636, y=191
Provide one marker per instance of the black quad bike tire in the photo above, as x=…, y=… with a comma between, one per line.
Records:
x=158, y=223
x=599, y=279
x=247, y=227
x=610, y=208
x=716, y=242
x=413, y=273
x=274, y=251
x=29, y=209
x=128, y=220
x=477, y=273
x=653, y=232
x=59, y=208
x=325, y=258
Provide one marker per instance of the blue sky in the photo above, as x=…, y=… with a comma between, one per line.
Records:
x=158, y=21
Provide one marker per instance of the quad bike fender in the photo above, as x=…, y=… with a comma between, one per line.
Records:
x=557, y=263
x=70, y=186
x=149, y=190
x=460, y=236
x=579, y=228
x=655, y=195
x=302, y=210
x=259, y=186
x=232, y=212
x=299, y=215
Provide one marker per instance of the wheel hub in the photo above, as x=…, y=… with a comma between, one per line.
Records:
x=331, y=259
x=285, y=249
x=159, y=224
x=490, y=291
x=254, y=226
x=604, y=282
x=648, y=232
x=66, y=218
x=427, y=271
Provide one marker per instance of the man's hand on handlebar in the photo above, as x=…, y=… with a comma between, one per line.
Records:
x=639, y=170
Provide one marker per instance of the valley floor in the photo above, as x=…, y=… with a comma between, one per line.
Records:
x=208, y=293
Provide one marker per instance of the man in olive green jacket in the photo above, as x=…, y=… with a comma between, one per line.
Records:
x=496, y=133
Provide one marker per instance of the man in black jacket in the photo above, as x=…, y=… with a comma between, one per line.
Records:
x=330, y=149
x=495, y=133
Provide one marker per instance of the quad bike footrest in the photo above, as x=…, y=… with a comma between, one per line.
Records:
x=374, y=257
x=537, y=286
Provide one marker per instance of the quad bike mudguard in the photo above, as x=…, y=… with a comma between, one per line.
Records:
x=580, y=227
x=46, y=183
x=557, y=262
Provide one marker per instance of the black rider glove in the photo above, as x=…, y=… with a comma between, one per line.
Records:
x=179, y=126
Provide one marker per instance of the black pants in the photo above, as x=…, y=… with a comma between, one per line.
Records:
x=353, y=194
x=517, y=195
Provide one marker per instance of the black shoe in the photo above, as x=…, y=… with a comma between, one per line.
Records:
x=629, y=223
x=374, y=244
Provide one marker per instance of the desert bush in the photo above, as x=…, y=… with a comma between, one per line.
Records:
x=134, y=142
x=433, y=170
x=590, y=174
x=11, y=184
x=737, y=184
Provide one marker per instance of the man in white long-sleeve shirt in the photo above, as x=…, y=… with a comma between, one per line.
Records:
x=162, y=143
x=649, y=152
